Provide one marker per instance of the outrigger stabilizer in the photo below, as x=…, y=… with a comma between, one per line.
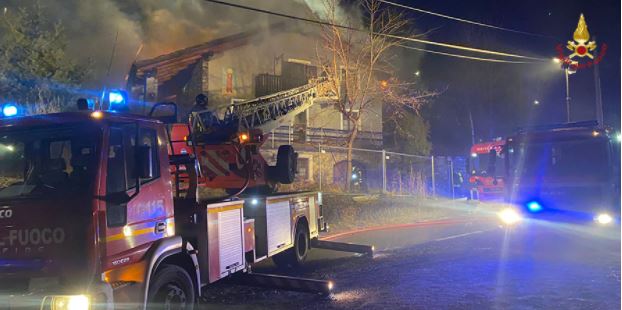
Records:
x=298, y=284
x=343, y=247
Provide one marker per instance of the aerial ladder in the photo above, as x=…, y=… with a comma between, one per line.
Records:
x=227, y=150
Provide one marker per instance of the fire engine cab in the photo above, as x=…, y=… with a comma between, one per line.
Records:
x=565, y=172
x=486, y=166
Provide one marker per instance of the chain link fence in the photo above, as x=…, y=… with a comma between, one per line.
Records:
x=324, y=168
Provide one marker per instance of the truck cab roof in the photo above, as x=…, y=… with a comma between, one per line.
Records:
x=561, y=132
x=71, y=118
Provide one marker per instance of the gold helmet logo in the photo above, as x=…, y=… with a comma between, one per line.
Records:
x=581, y=46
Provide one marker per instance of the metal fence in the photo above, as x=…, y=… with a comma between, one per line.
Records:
x=323, y=167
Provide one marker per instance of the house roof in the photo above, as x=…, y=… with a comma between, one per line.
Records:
x=168, y=65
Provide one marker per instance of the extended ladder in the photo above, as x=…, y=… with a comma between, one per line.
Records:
x=265, y=113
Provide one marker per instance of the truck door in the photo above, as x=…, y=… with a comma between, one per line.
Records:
x=133, y=224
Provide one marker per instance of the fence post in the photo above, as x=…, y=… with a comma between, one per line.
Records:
x=384, y=171
x=451, y=178
x=433, y=179
x=319, y=157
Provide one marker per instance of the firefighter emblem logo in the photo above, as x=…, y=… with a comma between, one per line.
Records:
x=581, y=46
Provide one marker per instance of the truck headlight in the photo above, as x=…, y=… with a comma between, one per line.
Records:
x=603, y=218
x=70, y=302
x=509, y=216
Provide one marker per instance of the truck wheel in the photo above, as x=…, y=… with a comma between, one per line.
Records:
x=286, y=164
x=295, y=257
x=171, y=288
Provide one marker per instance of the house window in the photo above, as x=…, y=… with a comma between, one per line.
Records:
x=347, y=125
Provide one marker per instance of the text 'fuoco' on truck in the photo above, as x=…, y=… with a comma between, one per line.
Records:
x=100, y=209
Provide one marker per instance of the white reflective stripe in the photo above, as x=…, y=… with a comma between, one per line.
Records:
x=223, y=164
x=205, y=162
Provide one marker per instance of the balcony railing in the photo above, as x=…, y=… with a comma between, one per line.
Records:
x=294, y=134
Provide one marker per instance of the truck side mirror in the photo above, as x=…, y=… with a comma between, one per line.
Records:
x=144, y=162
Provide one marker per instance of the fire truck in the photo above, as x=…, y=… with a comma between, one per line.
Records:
x=100, y=209
x=486, y=166
x=565, y=172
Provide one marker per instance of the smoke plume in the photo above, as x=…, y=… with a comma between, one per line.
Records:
x=148, y=28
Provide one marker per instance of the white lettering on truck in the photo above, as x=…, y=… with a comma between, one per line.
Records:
x=33, y=237
x=6, y=213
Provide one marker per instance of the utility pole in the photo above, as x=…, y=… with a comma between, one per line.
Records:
x=598, y=93
x=567, y=96
x=472, y=126
x=570, y=67
x=384, y=171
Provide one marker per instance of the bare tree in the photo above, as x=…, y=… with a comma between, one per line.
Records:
x=357, y=61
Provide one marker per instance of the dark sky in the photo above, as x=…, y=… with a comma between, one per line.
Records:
x=501, y=96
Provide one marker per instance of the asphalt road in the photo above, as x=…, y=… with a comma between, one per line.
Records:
x=475, y=265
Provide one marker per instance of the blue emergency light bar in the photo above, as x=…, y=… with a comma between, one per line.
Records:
x=117, y=101
x=116, y=97
x=9, y=110
x=534, y=206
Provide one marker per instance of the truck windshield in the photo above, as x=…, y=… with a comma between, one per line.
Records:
x=489, y=164
x=47, y=161
x=563, y=161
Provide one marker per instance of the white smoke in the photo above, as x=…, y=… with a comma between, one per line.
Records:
x=156, y=27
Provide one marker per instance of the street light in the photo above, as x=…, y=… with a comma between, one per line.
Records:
x=417, y=73
x=536, y=102
x=570, y=67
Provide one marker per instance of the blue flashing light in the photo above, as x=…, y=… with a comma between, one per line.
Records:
x=9, y=110
x=354, y=176
x=115, y=97
x=534, y=206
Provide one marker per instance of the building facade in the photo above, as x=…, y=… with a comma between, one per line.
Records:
x=249, y=65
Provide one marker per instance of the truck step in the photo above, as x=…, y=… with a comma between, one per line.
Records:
x=343, y=247
x=284, y=282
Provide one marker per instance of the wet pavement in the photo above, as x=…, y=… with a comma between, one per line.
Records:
x=473, y=265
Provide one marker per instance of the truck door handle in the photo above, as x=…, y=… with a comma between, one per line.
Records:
x=160, y=227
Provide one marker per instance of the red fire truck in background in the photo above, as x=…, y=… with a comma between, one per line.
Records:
x=100, y=209
x=486, y=166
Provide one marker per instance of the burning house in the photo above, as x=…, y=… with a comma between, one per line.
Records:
x=248, y=65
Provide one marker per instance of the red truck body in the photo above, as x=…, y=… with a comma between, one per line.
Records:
x=487, y=174
x=92, y=216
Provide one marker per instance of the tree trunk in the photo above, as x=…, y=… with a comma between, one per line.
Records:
x=348, y=176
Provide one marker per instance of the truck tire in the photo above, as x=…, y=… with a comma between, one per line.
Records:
x=295, y=256
x=286, y=158
x=171, y=288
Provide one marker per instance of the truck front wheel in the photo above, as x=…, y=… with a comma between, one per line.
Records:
x=171, y=288
x=295, y=257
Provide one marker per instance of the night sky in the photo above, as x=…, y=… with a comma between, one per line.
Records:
x=501, y=96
